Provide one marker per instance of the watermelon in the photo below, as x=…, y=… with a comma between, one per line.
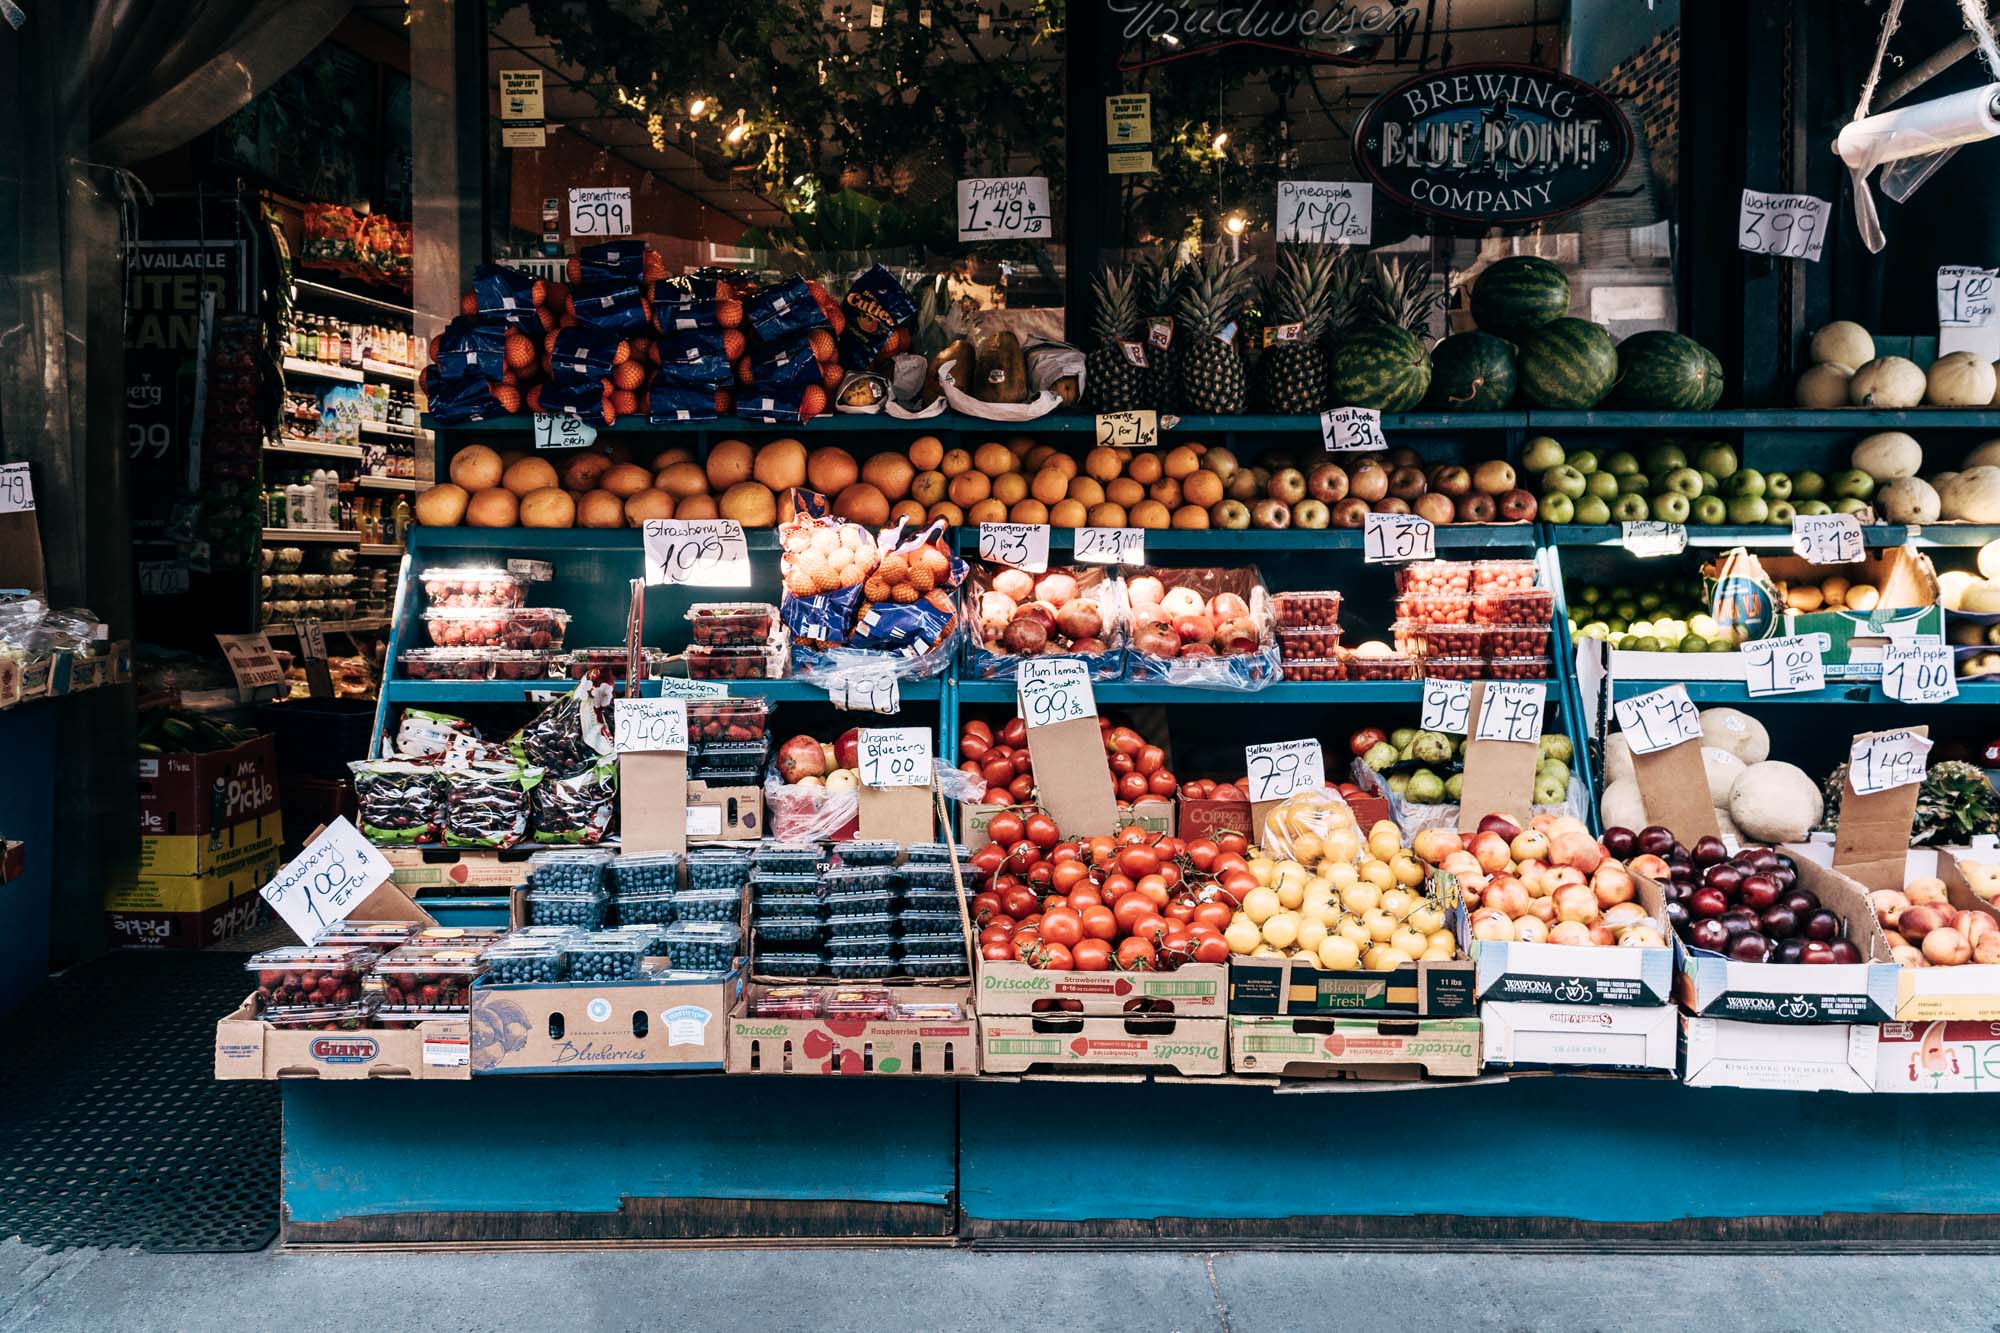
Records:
x=1661, y=371
x=1518, y=294
x=1380, y=366
x=1471, y=372
x=1713, y=394
x=1568, y=364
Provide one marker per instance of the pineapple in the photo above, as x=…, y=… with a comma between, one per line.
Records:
x=1396, y=295
x=1112, y=381
x=1158, y=278
x=1302, y=293
x=1211, y=370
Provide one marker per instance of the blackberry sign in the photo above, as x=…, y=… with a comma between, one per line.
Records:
x=1494, y=144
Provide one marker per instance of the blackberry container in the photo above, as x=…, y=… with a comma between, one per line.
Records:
x=717, y=868
x=875, y=852
x=851, y=889
x=605, y=955
x=934, y=944
x=703, y=946
x=708, y=904
x=789, y=858
x=530, y=962
x=791, y=964
x=644, y=872
x=649, y=908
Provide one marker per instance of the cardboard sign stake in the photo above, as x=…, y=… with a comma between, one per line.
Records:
x=1499, y=775
x=1074, y=780
x=652, y=801
x=1873, y=837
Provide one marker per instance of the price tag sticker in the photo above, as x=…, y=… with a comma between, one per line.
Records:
x=871, y=689
x=1111, y=546
x=1394, y=538
x=1128, y=430
x=1919, y=673
x=17, y=493
x=1003, y=208
x=649, y=726
x=1965, y=296
x=1052, y=691
x=252, y=662
x=560, y=430
x=1657, y=720
x=673, y=687
x=1446, y=703
x=1352, y=430
x=696, y=552
x=1828, y=539
x=1326, y=212
x=1791, y=226
x=1279, y=769
x=1647, y=538
x=1512, y=711
x=1794, y=664
x=894, y=756
x=1022, y=545
x=333, y=875
x=532, y=571
x=1884, y=760
x=599, y=211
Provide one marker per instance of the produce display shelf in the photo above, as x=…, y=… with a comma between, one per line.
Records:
x=284, y=629
x=379, y=548
x=388, y=483
x=535, y=540
x=1734, y=692
x=1773, y=418
x=1451, y=536
x=1283, y=692
x=388, y=370
x=1719, y=535
x=387, y=431
x=517, y=691
x=313, y=448
x=312, y=535
x=324, y=370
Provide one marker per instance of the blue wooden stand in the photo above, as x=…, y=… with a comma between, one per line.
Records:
x=27, y=814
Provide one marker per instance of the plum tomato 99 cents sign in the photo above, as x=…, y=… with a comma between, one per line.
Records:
x=1511, y=710
x=1884, y=760
x=1352, y=430
x=560, y=430
x=1022, y=545
x=1791, y=226
x=1393, y=538
x=698, y=552
x=1658, y=720
x=333, y=875
x=894, y=756
x=1279, y=769
x=1827, y=539
x=1055, y=690
x=600, y=210
x=1792, y=664
x=1326, y=212
x=649, y=726
x=1446, y=703
x=1111, y=546
x=1003, y=208
x=17, y=493
x=1919, y=673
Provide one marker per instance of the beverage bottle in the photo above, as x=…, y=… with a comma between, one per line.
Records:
x=329, y=493
x=298, y=511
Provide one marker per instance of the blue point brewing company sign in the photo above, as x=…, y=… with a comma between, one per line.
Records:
x=1495, y=144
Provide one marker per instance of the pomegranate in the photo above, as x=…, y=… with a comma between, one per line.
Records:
x=1079, y=620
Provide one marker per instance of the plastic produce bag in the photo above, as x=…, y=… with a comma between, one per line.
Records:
x=571, y=733
x=617, y=303
x=578, y=807
x=1311, y=826
x=487, y=805
x=582, y=355
x=468, y=349
x=508, y=295
x=610, y=261
x=876, y=304
x=789, y=308
x=1217, y=621
x=996, y=601
x=398, y=802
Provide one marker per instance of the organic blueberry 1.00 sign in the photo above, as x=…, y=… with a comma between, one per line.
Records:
x=1326, y=212
x=1003, y=208
x=329, y=879
x=894, y=756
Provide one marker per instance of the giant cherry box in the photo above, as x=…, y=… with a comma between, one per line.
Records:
x=1509, y=970
x=246, y=1047
x=873, y=1046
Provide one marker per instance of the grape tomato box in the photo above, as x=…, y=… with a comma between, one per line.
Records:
x=1405, y=1050
x=246, y=1047
x=1716, y=987
x=1070, y=1043
x=198, y=793
x=887, y=1047
x=673, y=1022
x=1819, y=1057
x=1197, y=990
x=1293, y=986
x=1938, y=1056
x=1607, y=1038
x=1509, y=970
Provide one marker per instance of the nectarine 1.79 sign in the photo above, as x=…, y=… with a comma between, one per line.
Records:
x=1494, y=143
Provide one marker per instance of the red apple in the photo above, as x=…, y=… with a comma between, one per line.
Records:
x=1327, y=483
x=847, y=749
x=1475, y=508
x=1350, y=513
x=1516, y=506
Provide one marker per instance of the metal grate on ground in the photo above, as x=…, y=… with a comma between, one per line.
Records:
x=113, y=1130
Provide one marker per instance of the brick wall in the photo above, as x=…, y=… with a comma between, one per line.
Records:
x=1652, y=78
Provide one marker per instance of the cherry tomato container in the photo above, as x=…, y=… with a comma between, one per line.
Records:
x=1517, y=668
x=1379, y=666
x=1315, y=668
x=1445, y=608
x=1454, y=668
x=1317, y=642
x=1306, y=610
x=1502, y=575
x=1435, y=578
x=1524, y=606
x=457, y=586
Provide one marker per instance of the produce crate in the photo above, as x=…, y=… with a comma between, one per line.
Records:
x=1716, y=987
x=1071, y=1043
x=182, y=794
x=1195, y=990
x=443, y=870
x=1578, y=974
x=673, y=1023
x=1294, y=986
x=1968, y=991
x=1569, y=1037
x=246, y=1047
x=1824, y=1057
x=870, y=1046
x=1937, y=1057
x=188, y=911
x=1390, y=1049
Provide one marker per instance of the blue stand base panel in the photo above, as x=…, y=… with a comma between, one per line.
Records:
x=680, y=1157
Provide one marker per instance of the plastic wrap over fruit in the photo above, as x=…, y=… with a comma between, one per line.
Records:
x=1070, y=611
x=1413, y=817
x=1207, y=628
x=695, y=358
x=506, y=294
x=469, y=349
x=612, y=304
x=612, y=260
x=1311, y=826
x=673, y=400
x=788, y=308
x=583, y=355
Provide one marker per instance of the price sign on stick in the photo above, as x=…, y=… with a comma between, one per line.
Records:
x=1111, y=546
x=598, y=211
x=17, y=494
x=1352, y=430
x=1394, y=538
x=1791, y=226
x=1883, y=760
x=1828, y=539
x=1919, y=673
x=1054, y=690
x=895, y=756
x=1511, y=710
x=333, y=875
x=1446, y=702
x=1790, y=665
x=697, y=552
x=1128, y=430
x=1279, y=769
x=1658, y=720
x=871, y=689
x=648, y=726
x=560, y=430
x=1006, y=208
x=1022, y=545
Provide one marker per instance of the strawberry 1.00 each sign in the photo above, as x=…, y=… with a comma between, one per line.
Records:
x=894, y=756
x=697, y=552
x=1659, y=719
x=1280, y=769
x=1054, y=690
x=329, y=879
x=1005, y=208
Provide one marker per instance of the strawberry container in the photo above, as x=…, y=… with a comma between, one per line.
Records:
x=1525, y=606
x=301, y=976
x=703, y=946
x=791, y=963
x=717, y=868
x=1517, y=640
x=601, y=663
x=876, y=852
x=728, y=719
x=607, y=955
x=1379, y=666
x=647, y=908
x=708, y=904
x=445, y=663
x=788, y=858
x=1444, y=608
x=928, y=1011
x=1299, y=610
x=1454, y=668
x=731, y=624
x=1435, y=578
x=1320, y=668
x=349, y=1017
x=1502, y=575
x=859, y=1002
x=1318, y=642
x=521, y=663
x=1517, y=668
x=789, y=1002
x=519, y=962
x=427, y=980
x=758, y=662
x=535, y=627
x=461, y=587
x=644, y=872
x=469, y=627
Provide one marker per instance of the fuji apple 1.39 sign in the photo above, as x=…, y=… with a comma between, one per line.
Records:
x=1493, y=144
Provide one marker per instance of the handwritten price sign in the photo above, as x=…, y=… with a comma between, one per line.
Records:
x=17, y=493
x=1646, y=538
x=333, y=875
x=1884, y=760
x=1791, y=226
x=1511, y=710
x=1446, y=703
x=649, y=726
x=1965, y=296
x=559, y=430
x=1111, y=546
x=1138, y=429
x=697, y=552
x=1326, y=212
x=1827, y=539
x=1393, y=538
x=865, y=690
x=1352, y=430
x=1658, y=720
x=1919, y=673
x=894, y=756
x=600, y=211
x=1004, y=208
x=1279, y=769
x=1054, y=691
x=1794, y=664
x=1022, y=545
x=673, y=687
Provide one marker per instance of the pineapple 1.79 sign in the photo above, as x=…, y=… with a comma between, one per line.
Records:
x=1003, y=208
x=1326, y=212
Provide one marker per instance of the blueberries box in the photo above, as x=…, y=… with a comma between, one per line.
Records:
x=666, y=1021
x=247, y=1047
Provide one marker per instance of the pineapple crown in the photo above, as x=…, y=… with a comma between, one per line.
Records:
x=1303, y=290
x=1395, y=294
x=1116, y=293
x=1214, y=293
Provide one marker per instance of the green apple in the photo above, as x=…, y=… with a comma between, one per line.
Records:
x=1849, y=504
x=1619, y=464
x=1811, y=506
x=1709, y=510
x=1694, y=643
x=1550, y=791
x=1748, y=509
x=1603, y=485
x=1593, y=509
x=1684, y=481
x=1557, y=507
x=1665, y=458
x=1777, y=486
x=1584, y=461
x=1565, y=480
x=1748, y=483
x=1781, y=514
x=1634, y=483
x=1650, y=600
x=1542, y=453
x=1808, y=485
x=1629, y=508
x=1853, y=484
x=1591, y=595
x=1717, y=458
x=1671, y=507
x=1710, y=483
x=1596, y=629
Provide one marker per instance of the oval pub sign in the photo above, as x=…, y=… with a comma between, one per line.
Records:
x=1496, y=144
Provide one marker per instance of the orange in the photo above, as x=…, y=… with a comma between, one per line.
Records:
x=890, y=474
x=831, y=471
x=993, y=459
x=1124, y=491
x=928, y=488
x=1191, y=518
x=1010, y=488
x=1145, y=468
x=986, y=511
x=863, y=504
x=1150, y=514
x=1167, y=491
x=1103, y=464
x=1049, y=486
x=906, y=511
x=1180, y=461
x=947, y=511
x=1086, y=489
x=954, y=462
x=1037, y=457
x=926, y=452
x=1107, y=515
x=1201, y=487
x=1062, y=463
x=1020, y=445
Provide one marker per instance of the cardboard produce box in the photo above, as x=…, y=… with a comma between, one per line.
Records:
x=671, y=1022
x=723, y=814
x=1295, y=986
x=883, y=1046
x=451, y=869
x=1509, y=970
x=1865, y=992
x=1967, y=991
x=1153, y=815
x=1959, y=1056
x=1069, y=1043
x=189, y=911
x=13, y=860
x=1398, y=1049
x=194, y=793
x=1908, y=607
x=1823, y=1057
x=246, y=1047
x=1609, y=1038
x=1197, y=990
x=217, y=850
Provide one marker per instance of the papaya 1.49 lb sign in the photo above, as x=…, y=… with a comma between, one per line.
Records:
x=1495, y=144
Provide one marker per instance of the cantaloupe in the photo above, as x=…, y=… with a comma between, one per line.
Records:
x=1960, y=379
x=476, y=468
x=1823, y=387
x=442, y=506
x=1887, y=381
x=1843, y=342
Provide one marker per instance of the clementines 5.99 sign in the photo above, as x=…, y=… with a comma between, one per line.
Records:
x=1495, y=144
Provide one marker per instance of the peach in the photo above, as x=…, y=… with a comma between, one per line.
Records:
x=1562, y=875
x=1490, y=849
x=1531, y=930
x=1926, y=891
x=1907, y=956
x=1488, y=924
x=1569, y=932
x=1946, y=947
x=1650, y=866
x=1533, y=845
x=1975, y=926
x=1917, y=923
x=1603, y=936
x=1612, y=884
x=1570, y=848
x=1506, y=894
x=1986, y=949
x=1645, y=936
x=1576, y=902
x=1889, y=905
x=1621, y=914
x=1542, y=909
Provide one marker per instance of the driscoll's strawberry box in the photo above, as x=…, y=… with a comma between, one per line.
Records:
x=1941, y=1056
x=1199, y=990
x=1065, y=1043
x=449, y=869
x=894, y=1037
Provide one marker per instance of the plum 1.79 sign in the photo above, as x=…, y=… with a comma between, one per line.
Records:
x=1394, y=538
x=697, y=552
x=1658, y=720
x=1791, y=226
x=1793, y=664
x=1884, y=760
x=1022, y=545
x=1827, y=539
x=1446, y=703
x=333, y=875
x=17, y=493
x=1138, y=429
x=1283, y=767
x=1054, y=690
x=1111, y=546
x=1346, y=430
x=649, y=726
x=560, y=430
x=894, y=756
x=1003, y=208
x=599, y=211
x=1511, y=710
x=1919, y=673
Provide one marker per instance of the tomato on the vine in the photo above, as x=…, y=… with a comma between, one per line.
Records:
x=1181, y=908
x=1042, y=831
x=1129, y=911
x=1000, y=932
x=1054, y=957
x=1022, y=788
x=1100, y=923
x=1006, y=827
x=1138, y=861
x=1215, y=914
x=984, y=906
x=1116, y=887
x=1000, y=951
x=1153, y=888
x=1233, y=842
x=1020, y=901
x=1202, y=852
x=1092, y=955
x=1062, y=925
x=1134, y=835
x=1151, y=928
x=1211, y=949
x=1136, y=955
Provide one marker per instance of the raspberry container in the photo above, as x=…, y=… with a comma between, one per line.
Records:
x=535, y=627
x=791, y=964
x=703, y=946
x=605, y=955
x=879, y=852
x=445, y=663
x=1435, y=577
x=566, y=907
x=1517, y=668
x=765, y=662
x=428, y=980
x=1375, y=666
x=463, y=587
x=928, y=1011
x=519, y=962
x=521, y=663
x=731, y=624
x=840, y=923
x=859, y=1002
x=717, y=868
x=301, y=976
x=840, y=946
x=469, y=627
x=349, y=1017
x=1527, y=606
x=647, y=907
x=377, y=935
x=1310, y=668
x=644, y=872
x=789, y=1002
x=1434, y=608
x=1299, y=610
x=1502, y=575
x=1454, y=668
x=570, y=870
x=1309, y=642
x=1517, y=640
x=862, y=969
x=789, y=858
x=728, y=719
x=460, y=937
x=708, y=904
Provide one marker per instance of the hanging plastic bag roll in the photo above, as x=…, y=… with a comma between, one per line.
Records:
x=1929, y=130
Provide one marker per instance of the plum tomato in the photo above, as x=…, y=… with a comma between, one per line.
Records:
x=998, y=952
x=1233, y=842
x=1022, y=761
x=1213, y=914
x=1122, y=764
x=976, y=727
x=1022, y=788
x=1062, y=925
x=1136, y=955
x=1151, y=759
x=1126, y=741
x=1131, y=786
x=997, y=772
x=1015, y=732
x=1092, y=955
x=1005, y=828
x=1100, y=923
x=985, y=906
x=1162, y=783
x=974, y=748
x=1042, y=831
